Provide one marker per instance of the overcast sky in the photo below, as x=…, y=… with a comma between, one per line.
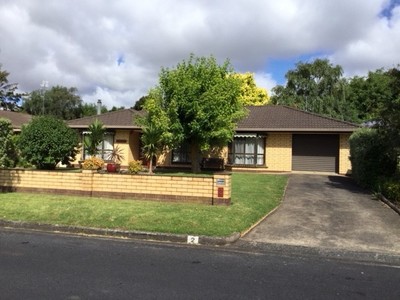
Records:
x=114, y=50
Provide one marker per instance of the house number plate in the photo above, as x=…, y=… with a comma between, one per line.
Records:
x=191, y=239
x=220, y=181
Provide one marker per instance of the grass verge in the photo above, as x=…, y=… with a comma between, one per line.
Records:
x=253, y=195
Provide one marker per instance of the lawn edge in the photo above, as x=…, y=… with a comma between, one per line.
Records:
x=117, y=233
x=246, y=231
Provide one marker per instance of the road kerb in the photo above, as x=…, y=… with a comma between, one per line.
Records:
x=142, y=235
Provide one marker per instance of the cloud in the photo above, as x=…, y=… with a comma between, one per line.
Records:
x=377, y=48
x=115, y=49
x=265, y=80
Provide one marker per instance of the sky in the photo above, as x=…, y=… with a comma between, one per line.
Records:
x=114, y=50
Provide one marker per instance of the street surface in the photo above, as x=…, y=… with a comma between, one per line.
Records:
x=50, y=266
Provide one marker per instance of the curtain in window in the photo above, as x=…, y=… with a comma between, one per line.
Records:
x=260, y=152
x=247, y=151
x=239, y=150
x=107, y=146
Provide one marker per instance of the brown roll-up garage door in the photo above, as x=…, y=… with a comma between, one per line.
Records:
x=315, y=152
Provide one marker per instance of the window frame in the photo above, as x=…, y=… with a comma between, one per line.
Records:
x=183, y=153
x=103, y=151
x=255, y=141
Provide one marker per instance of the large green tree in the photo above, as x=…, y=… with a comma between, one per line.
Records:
x=316, y=87
x=46, y=141
x=9, y=98
x=197, y=102
x=140, y=103
x=376, y=98
x=61, y=102
x=389, y=109
x=368, y=94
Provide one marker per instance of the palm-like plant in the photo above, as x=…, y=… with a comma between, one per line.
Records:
x=152, y=143
x=116, y=155
x=94, y=138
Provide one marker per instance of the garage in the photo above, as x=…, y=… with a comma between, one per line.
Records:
x=315, y=152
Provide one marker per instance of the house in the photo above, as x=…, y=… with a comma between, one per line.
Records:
x=270, y=138
x=280, y=138
x=17, y=119
x=120, y=131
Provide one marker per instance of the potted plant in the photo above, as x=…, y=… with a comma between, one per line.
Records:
x=115, y=157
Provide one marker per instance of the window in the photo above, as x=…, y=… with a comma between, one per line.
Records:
x=181, y=155
x=247, y=150
x=105, y=147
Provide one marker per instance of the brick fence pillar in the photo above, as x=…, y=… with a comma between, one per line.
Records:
x=222, y=189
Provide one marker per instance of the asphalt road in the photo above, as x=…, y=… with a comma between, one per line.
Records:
x=50, y=266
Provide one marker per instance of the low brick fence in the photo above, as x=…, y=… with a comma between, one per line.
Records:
x=212, y=190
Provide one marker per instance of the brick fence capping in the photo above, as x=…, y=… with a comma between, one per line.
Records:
x=214, y=189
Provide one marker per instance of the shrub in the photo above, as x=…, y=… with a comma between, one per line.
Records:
x=390, y=188
x=46, y=141
x=8, y=151
x=135, y=166
x=371, y=157
x=93, y=163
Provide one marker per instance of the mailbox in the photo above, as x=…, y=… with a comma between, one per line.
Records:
x=220, y=192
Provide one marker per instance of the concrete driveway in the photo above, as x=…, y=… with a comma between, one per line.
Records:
x=330, y=212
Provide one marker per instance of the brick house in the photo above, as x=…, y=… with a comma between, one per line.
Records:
x=287, y=139
x=270, y=138
x=120, y=131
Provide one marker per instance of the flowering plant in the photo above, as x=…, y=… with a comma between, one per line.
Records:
x=93, y=163
x=135, y=166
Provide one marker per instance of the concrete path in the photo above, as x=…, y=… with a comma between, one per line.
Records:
x=330, y=212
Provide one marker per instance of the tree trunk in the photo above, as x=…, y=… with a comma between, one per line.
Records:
x=151, y=165
x=195, y=156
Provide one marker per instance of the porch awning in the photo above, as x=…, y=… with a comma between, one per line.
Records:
x=248, y=135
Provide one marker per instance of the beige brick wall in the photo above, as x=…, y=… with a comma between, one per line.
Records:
x=134, y=144
x=121, y=140
x=278, y=153
x=344, y=154
x=177, y=188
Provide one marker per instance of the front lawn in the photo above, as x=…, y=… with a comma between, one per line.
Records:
x=253, y=196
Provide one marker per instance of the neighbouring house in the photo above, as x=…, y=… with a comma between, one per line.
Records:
x=270, y=138
x=120, y=131
x=17, y=119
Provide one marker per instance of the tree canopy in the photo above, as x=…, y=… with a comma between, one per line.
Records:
x=250, y=93
x=61, y=102
x=90, y=109
x=140, y=103
x=197, y=102
x=316, y=87
x=8, y=97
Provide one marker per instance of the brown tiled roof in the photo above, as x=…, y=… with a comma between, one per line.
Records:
x=284, y=118
x=119, y=119
x=17, y=119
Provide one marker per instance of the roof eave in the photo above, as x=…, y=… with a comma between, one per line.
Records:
x=106, y=126
x=297, y=129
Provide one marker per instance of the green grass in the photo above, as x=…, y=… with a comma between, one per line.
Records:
x=253, y=195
